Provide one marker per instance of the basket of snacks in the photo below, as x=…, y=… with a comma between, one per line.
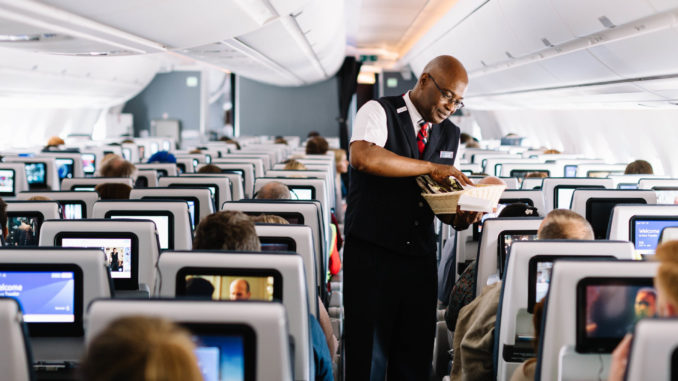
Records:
x=444, y=199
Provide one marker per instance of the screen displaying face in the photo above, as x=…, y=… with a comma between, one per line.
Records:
x=667, y=196
x=71, y=211
x=35, y=173
x=613, y=310
x=227, y=287
x=45, y=296
x=220, y=358
x=118, y=252
x=64, y=168
x=6, y=181
x=161, y=224
x=646, y=234
x=301, y=193
x=88, y=163
x=23, y=231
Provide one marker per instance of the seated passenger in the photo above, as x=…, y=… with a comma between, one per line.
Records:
x=639, y=167
x=162, y=157
x=209, y=168
x=292, y=164
x=141, y=348
x=666, y=284
x=113, y=191
x=273, y=190
x=526, y=370
x=233, y=230
x=116, y=166
x=474, y=329
x=317, y=146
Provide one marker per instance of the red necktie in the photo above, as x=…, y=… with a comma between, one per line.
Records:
x=422, y=136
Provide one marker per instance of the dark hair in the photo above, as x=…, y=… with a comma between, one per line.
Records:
x=313, y=134
x=317, y=145
x=113, y=191
x=519, y=209
x=209, y=168
x=639, y=167
x=229, y=230
x=464, y=137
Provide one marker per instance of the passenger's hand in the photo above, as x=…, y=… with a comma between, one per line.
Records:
x=464, y=219
x=620, y=357
x=441, y=173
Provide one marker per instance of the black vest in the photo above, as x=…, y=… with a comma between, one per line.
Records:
x=389, y=211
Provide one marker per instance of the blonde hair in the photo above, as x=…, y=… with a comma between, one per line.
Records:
x=667, y=274
x=565, y=224
x=141, y=348
x=269, y=219
x=39, y=198
x=293, y=164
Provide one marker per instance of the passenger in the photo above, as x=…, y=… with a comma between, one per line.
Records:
x=280, y=140
x=230, y=141
x=527, y=369
x=39, y=198
x=551, y=152
x=229, y=230
x=232, y=230
x=536, y=175
x=113, y=191
x=162, y=157
x=313, y=134
x=472, y=144
x=639, y=167
x=273, y=190
x=141, y=348
x=209, y=168
x=118, y=167
x=474, y=330
x=269, y=219
x=463, y=291
x=666, y=284
x=464, y=138
x=240, y=290
x=341, y=167
x=54, y=144
x=127, y=141
x=293, y=164
x=317, y=146
x=389, y=322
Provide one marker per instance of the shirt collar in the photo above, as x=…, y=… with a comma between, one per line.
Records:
x=414, y=113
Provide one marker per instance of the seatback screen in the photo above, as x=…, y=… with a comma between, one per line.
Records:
x=64, y=168
x=118, y=253
x=7, y=182
x=302, y=192
x=598, y=212
x=163, y=223
x=24, y=228
x=36, y=173
x=225, y=352
x=645, y=232
x=563, y=194
x=88, y=166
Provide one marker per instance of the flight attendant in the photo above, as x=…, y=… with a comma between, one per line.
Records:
x=390, y=262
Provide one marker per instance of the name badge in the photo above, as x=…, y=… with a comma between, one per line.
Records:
x=447, y=154
x=402, y=109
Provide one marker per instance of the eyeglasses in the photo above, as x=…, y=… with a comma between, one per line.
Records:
x=448, y=95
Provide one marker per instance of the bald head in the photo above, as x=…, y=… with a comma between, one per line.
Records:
x=491, y=180
x=240, y=290
x=440, y=89
x=564, y=224
x=274, y=191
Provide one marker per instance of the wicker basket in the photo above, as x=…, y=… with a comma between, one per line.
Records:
x=446, y=203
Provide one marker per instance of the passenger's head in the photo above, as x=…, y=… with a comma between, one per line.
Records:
x=491, y=180
x=472, y=144
x=639, y=167
x=317, y=146
x=280, y=140
x=162, y=157
x=536, y=175
x=199, y=287
x=209, y=168
x=440, y=88
x=269, y=219
x=113, y=191
x=551, y=152
x=230, y=141
x=340, y=160
x=3, y=218
x=293, y=164
x=519, y=209
x=141, y=348
x=55, y=141
x=666, y=280
x=274, y=190
x=240, y=290
x=312, y=134
x=565, y=224
x=117, y=167
x=39, y=198
x=229, y=230
x=465, y=138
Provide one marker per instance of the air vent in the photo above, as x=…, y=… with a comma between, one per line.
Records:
x=606, y=22
x=546, y=42
x=42, y=37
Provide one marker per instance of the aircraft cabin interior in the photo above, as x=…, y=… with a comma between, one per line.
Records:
x=266, y=190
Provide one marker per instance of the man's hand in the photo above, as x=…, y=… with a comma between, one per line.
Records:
x=441, y=173
x=620, y=357
x=461, y=220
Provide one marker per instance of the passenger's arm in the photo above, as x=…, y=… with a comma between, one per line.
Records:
x=620, y=357
x=369, y=157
